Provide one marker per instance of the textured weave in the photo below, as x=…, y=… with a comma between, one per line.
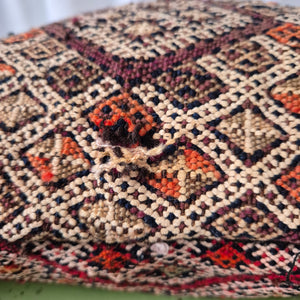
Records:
x=154, y=147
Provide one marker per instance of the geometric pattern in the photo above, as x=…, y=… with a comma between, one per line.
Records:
x=262, y=136
x=73, y=77
x=19, y=108
x=290, y=182
x=227, y=256
x=188, y=88
x=192, y=174
x=287, y=34
x=124, y=267
x=56, y=157
x=248, y=58
x=122, y=118
x=245, y=218
x=152, y=34
x=288, y=94
x=96, y=215
x=248, y=133
x=43, y=50
x=154, y=147
x=6, y=71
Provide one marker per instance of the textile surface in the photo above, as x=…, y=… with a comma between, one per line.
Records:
x=154, y=147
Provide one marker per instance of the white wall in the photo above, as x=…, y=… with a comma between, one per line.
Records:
x=20, y=15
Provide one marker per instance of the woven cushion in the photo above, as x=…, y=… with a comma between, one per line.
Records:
x=154, y=147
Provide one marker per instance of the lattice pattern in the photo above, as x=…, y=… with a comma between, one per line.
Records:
x=154, y=147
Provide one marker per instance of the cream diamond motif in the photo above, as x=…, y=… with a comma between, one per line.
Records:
x=18, y=108
x=249, y=131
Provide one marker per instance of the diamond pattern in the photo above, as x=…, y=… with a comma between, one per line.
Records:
x=248, y=58
x=291, y=182
x=124, y=121
x=73, y=77
x=189, y=87
x=168, y=123
x=18, y=109
x=238, y=127
x=43, y=50
x=57, y=157
x=6, y=72
x=248, y=133
x=193, y=172
x=288, y=93
x=241, y=218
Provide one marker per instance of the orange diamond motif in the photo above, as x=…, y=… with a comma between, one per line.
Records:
x=121, y=118
x=48, y=158
x=167, y=184
x=288, y=93
x=291, y=182
x=286, y=34
x=110, y=259
x=42, y=165
x=226, y=257
x=195, y=161
x=192, y=171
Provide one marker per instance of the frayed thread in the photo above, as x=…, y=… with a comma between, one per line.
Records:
x=288, y=276
x=120, y=158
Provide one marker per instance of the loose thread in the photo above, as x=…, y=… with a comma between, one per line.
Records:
x=137, y=156
x=288, y=280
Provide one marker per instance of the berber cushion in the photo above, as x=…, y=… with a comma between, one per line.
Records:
x=154, y=147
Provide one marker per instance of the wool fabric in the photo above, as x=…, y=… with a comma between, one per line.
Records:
x=154, y=147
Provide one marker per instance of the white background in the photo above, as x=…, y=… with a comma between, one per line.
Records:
x=20, y=15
